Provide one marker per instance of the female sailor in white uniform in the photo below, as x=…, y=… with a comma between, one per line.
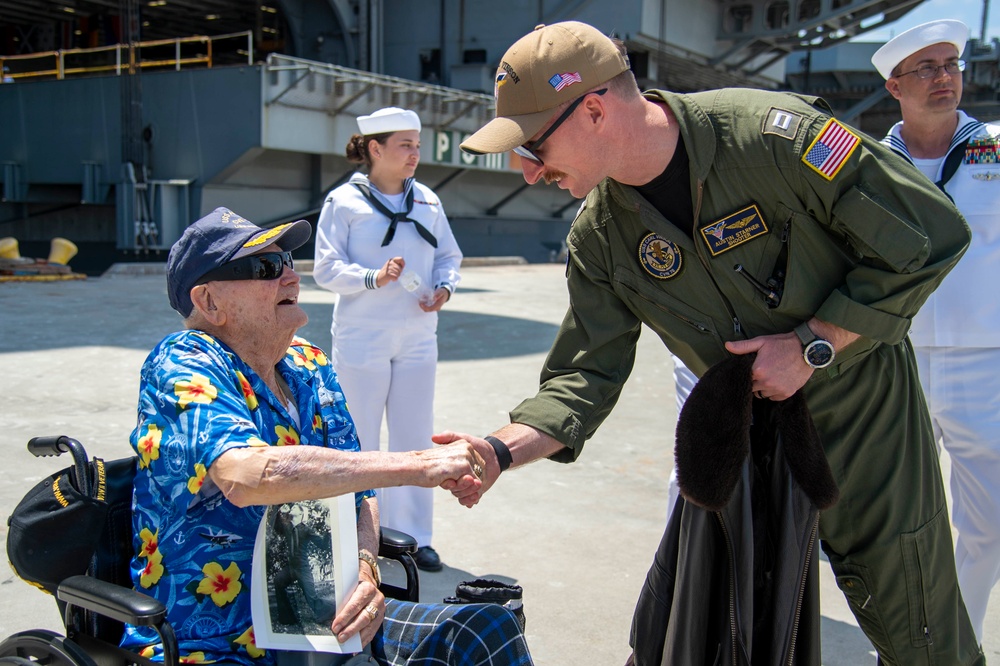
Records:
x=383, y=244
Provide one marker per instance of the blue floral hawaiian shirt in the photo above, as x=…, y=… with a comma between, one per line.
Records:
x=193, y=548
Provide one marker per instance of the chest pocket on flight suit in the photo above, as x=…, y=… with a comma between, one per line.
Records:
x=875, y=232
x=812, y=268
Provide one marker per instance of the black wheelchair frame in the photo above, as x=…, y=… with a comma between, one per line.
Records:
x=96, y=605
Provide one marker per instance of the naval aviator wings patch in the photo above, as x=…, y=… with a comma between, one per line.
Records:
x=742, y=226
x=830, y=149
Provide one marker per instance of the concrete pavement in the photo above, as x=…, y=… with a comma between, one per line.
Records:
x=578, y=538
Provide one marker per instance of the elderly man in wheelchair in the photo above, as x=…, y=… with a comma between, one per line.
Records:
x=236, y=414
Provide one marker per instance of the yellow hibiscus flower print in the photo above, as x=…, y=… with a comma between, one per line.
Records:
x=249, y=641
x=148, y=446
x=150, y=542
x=153, y=570
x=248, y=393
x=194, y=658
x=256, y=441
x=314, y=354
x=286, y=436
x=222, y=586
x=198, y=389
x=301, y=359
x=195, y=482
x=317, y=422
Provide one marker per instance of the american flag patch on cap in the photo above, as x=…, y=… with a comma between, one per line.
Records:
x=560, y=81
x=831, y=149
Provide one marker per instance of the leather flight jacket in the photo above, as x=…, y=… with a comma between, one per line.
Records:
x=735, y=579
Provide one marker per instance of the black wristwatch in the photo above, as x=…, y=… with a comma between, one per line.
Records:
x=817, y=352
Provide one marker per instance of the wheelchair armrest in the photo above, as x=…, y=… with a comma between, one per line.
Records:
x=110, y=600
x=394, y=543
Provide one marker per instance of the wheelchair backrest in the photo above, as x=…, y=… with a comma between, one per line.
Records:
x=112, y=558
x=57, y=531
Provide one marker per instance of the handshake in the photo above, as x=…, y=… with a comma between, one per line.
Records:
x=464, y=465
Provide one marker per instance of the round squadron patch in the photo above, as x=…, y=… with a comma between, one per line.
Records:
x=660, y=257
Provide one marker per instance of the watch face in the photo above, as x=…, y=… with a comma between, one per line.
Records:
x=819, y=353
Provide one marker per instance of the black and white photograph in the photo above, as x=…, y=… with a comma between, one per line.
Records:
x=298, y=576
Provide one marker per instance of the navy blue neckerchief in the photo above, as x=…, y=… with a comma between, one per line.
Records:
x=395, y=218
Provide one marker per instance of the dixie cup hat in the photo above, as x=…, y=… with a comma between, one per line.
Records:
x=216, y=239
x=905, y=44
x=389, y=119
x=548, y=66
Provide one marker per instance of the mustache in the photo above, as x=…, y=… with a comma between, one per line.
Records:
x=551, y=175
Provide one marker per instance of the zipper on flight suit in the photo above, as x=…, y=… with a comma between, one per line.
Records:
x=737, y=326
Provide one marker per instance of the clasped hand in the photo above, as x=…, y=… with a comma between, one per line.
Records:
x=779, y=369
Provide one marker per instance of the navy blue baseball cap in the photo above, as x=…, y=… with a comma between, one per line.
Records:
x=216, y=239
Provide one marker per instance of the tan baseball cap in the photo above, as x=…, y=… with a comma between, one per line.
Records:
x=551, y=65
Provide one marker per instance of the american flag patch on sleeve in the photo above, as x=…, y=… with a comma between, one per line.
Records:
x=830, y=150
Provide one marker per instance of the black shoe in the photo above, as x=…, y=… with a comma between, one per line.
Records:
x=427, y=559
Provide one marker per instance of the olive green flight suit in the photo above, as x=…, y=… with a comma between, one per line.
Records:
x=858, y=241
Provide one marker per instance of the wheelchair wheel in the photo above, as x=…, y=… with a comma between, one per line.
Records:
x=41, y=647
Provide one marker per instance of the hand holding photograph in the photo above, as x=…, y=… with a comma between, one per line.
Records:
x=304, y=567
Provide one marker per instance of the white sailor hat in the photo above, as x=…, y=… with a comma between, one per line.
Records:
x=905, y=44
x=389, y=119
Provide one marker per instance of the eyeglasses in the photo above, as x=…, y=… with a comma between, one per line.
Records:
x=528, y=152
x=927, y=71
x=265, y=266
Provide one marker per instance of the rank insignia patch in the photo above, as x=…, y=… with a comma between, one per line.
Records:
x=733, y=230
x=783, y=123
x=831, y=148
x=660, y=257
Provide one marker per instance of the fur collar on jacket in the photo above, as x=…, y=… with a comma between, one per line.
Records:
x=713, y=438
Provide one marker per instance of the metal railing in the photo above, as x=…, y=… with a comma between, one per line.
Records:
x=121, y=58
x=335, y=90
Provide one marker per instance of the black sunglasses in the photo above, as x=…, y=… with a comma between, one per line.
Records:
x=528, y=152
x=265, y=266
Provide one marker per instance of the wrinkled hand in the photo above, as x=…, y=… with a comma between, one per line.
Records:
x=468, y=491
x=447, y=465
x=353, y=617
x=390, y=272
x=438, y=299
x=779, y=370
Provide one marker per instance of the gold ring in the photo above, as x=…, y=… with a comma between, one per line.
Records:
x=371, y=611
x=477, y=469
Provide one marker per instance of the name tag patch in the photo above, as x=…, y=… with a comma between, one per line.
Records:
x=660, y=257
x=742, y=226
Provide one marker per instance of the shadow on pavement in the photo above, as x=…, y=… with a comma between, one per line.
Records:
x=133, y=313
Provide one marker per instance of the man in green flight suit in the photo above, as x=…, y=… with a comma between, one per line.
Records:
x=733, y=222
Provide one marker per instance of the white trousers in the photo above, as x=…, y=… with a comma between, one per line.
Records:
x=391, y=371
x=962, y=386
x=684, y=381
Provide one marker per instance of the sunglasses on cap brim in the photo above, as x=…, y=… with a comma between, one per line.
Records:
x=265, y=266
